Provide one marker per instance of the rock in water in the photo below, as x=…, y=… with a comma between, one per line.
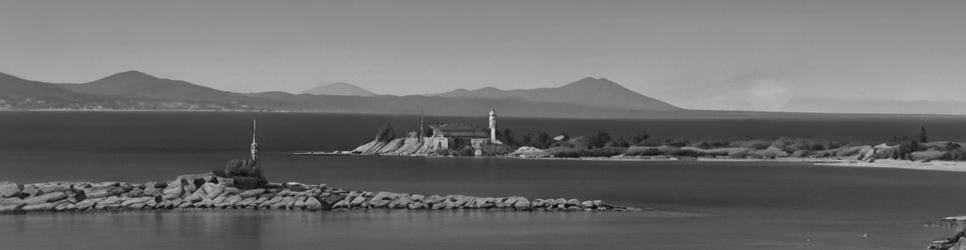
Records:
x=312, y=204
x=212, y=190
x=9, y=189
x=30, y=190
x=39, y=207
x=12, y=208
x=252, y=193
x=49, y=197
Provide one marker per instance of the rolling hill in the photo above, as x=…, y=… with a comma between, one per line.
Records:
x=340, y=89
x=591, y=92
x=133, y=90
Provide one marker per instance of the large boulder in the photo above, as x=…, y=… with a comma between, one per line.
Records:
x=9, y=189
x=48, y=197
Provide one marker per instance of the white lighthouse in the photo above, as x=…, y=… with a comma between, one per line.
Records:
x=254, y=147
x=493, y=127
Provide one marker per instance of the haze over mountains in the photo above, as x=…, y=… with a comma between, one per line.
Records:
x=584, y=98
x=339, y=88
x=133, y=90
x=592, y=92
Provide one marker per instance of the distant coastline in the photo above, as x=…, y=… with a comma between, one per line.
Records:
x=948, y=166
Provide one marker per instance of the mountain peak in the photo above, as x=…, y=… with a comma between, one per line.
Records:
x=590, y=81
x=588, y=91
x=131, y=75
x=339, y=88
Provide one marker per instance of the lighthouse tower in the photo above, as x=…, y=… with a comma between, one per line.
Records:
x=493, y=127
x=254, y=147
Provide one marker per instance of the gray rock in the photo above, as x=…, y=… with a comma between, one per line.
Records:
x=39, y=207
x=300, y=202
x=313, y=204
x=284, y=202
x=131, y=201
x=417, y=197
x=212, y=190
x=88, y=203
x=109, y=202
x=296, y=187
x=433, y=199
x=172, y=190
x=252, y=193
x=417, y=205
x=10, y=201
x=521, y=203
x=225, y=181
x=356, y=202
x=30, y=190
x=53, y=187
x=440, y=205
x=151, y=189
x=454, y=204
x=232, y=200
x=64, y=206
x=559, y=202
x=341, y=204
x=44, y=198
x=573, y=202
x=246, y=202
x=9, y=189
x=401, y=202
x=14, y=208
x=379, y=203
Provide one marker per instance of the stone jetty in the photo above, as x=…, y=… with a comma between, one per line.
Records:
x=207, y=191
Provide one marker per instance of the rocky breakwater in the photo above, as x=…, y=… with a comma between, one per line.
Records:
x=207, y=191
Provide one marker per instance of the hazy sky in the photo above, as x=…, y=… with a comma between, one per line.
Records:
x=713, y=54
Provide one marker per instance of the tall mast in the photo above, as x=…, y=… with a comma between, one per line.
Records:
x=421, y=132
x=254, y=147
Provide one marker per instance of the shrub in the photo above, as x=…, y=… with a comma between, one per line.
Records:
x=599, y=139
x=753, y=144
x=642, y=151
x=958, y=154
x=386, y=133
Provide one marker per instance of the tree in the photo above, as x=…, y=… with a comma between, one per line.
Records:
x=619, y=142
x=599, y=139
x=542, y=140
x=386, y=133
x=506, y=137
x=527, y=140
x=639, y=138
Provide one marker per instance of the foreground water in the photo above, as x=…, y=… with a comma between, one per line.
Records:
x=705, y=205
x=724, y=205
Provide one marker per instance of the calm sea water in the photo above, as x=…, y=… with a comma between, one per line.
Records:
x=703, y=205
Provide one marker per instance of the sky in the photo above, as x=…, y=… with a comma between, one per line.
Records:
x=772, y=55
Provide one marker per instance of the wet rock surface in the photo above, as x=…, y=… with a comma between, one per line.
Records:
x=206, y=191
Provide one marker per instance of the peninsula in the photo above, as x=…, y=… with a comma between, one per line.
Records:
x=467, y=140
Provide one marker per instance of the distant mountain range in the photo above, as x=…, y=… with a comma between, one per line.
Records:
x=133, y=90
x=339, y=88
x=591, y=92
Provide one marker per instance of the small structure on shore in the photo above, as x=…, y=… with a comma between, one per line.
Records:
x=454, y=136
x=445, y=137
x=245, y=173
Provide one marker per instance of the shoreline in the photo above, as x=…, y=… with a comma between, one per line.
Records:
x=945, y=166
